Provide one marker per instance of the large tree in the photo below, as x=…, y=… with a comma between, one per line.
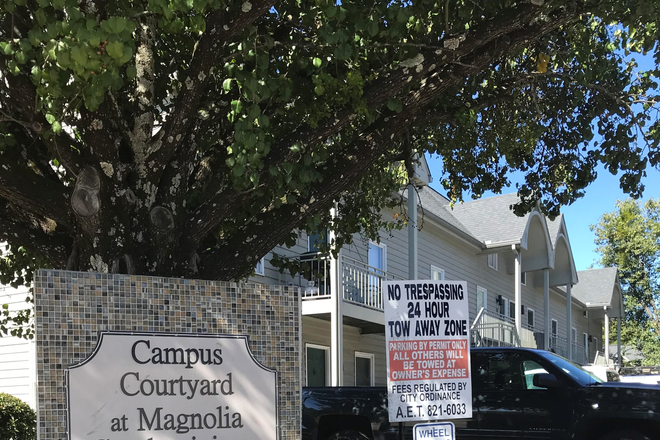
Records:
x=629, y=239
x=190, y=137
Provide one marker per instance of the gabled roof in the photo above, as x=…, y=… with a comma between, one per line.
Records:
x=596, y=286
x=422, y=175
x=491, y=219
x=434, y=203
x=554, y=227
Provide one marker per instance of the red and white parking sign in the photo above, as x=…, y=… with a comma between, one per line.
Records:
x=428, y=350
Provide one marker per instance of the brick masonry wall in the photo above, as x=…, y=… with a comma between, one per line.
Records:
x=73, y=307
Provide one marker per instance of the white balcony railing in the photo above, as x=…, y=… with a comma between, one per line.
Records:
x=558, y=345
x=493, y=330
x=530, y=338
x=579, y=354
x=361, y=284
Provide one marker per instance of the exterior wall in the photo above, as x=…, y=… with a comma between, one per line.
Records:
x=460, y=262
x=317, y=331
x=273, y=276
x=595, y=329
x=581, y=324
x=396, y=245
x=17, y=361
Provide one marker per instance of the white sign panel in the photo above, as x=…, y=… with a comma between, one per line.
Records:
x=162, y=386
x=428, y=347
x=434, y=431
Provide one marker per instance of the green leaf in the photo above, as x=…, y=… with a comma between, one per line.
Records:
x=126, y=55
x=50, y=118
x=236, y=106
x=79, y=56
x=57, y=127
x=94, y=39
x=395, y=105
x=331, y=11
x=115, y=49
x=317, y=62
x=372, y=28
x=7, y=48
x=226, y=84
x=131, y=72
x=64, y=59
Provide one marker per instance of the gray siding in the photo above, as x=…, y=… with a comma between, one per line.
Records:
x=317, y=331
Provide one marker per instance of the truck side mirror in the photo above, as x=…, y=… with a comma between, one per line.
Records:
x=545, y=380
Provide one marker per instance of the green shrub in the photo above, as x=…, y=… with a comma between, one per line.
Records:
x=17, y=420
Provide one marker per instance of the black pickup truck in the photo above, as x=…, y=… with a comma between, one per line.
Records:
x=516, y=393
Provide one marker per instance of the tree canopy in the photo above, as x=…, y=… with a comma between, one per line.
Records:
x=191, y=137
x=629, y=238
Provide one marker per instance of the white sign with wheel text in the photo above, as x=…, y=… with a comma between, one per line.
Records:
x=428, y=350
x=434, y=431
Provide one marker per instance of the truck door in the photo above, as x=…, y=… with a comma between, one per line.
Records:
x=509, y=405
x=497, y=383
x=547, y=411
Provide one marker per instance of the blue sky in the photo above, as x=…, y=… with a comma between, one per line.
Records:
x=600, y=197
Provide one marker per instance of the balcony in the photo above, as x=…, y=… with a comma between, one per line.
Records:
x=494, y=330
x=579, y=354
x=361, y=284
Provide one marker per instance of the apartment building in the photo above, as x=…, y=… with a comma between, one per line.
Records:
x=522, y=284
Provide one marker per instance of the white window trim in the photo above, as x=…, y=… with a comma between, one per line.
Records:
x=556, y=327
x=437, y=269
x=585, y=341
x=263, y=267
x=494, y=265
x=523, y=278
x=484, y=292
x=327, y=361
x=506, y=307
x=512, y=303
x=574, y=335
x=533, y=317
x=372, y=373
x=383, y=246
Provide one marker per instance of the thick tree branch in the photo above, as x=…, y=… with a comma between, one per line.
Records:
x=33, y=193
x=144, y=91
x=221, y=28
x=22, y=95
x=97, y=129
x=51, y=245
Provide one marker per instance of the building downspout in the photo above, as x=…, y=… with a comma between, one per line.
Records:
x=336, y=315
x=517, y=289
x=569, y=319
x=618, y=338
x=412, y=232
x=606, y=349
x=546, y=308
